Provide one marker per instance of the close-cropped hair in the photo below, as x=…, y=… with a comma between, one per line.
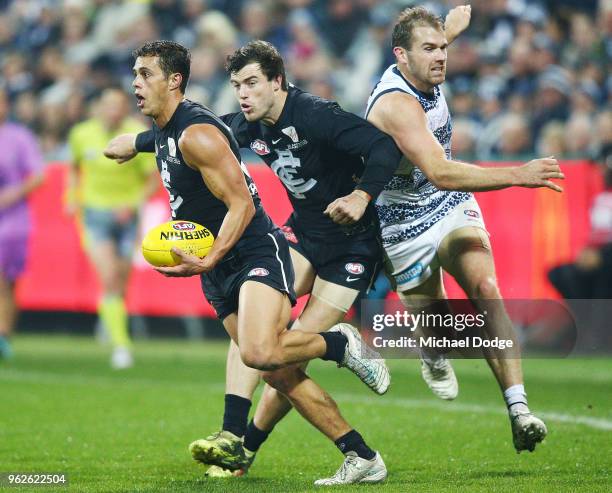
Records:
x=173, y=58
x=408, y=20
x=263, y=53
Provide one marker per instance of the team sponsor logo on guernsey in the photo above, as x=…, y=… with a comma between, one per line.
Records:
x=297, y=145
x=171, y=147
x=291, y=132
x=184, y=226
x=354, y=268
x=289, y=234
x=258, y=271
x=412, y=272
x=471, y=213
x=260, y=147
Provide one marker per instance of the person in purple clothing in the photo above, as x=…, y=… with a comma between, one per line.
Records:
x=21, y=166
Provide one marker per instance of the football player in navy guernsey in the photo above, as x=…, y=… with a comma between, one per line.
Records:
x=429, y=219
x=247, y=276
x=316, y=150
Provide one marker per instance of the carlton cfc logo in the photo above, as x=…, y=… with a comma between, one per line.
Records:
x=258, y=271
x=260, y=147
x=184, y=226
x=354, y=268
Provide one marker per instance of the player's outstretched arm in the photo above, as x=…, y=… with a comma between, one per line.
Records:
x=126, y=146
x=355, y=136
x=121, y=148
x=457, y=20
x=409, y=129
x=205, y=149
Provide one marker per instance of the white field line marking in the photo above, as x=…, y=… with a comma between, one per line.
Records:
x=458, y=407
x=385, y=401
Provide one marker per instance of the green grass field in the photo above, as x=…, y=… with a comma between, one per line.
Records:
x=63, y=409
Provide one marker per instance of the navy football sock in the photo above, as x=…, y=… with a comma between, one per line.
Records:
x=353, y=442
x=254, y=437
x=236, y=414
x=336, y=346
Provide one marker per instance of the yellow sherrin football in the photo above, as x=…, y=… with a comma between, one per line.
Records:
x=190, y=237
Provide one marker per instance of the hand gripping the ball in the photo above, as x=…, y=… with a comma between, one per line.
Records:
x=190, y=265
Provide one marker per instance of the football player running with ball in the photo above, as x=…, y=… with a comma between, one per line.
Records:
x=316, y=149
x=247, y=276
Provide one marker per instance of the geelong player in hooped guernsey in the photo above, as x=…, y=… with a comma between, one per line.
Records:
x=411, y=204
x=430, y=221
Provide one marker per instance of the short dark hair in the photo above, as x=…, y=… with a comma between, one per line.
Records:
x=173, y=58
x=409, y=19
x=262, y=52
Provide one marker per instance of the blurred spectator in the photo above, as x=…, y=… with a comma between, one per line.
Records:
x=167, y=16
x=521, y=78
x=21, y=168
x=340, y=21
x=514, y=141
x=603, y=138
x=463, y=143
x=107, y=197
x=552, y=140
x=551, y=100
x=589, y=276
x=585, y=98
x=463, y=103
x=308, y=60
x=578, y=136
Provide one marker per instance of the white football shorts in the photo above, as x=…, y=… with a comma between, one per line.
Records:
x=413, y=261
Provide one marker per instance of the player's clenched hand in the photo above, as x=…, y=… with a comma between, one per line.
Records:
x=122, y=148
x=457, y=21
x=190, y=265
x=348, y=209
x=540, y=172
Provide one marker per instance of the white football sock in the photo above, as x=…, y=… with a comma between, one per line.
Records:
x=516, y=399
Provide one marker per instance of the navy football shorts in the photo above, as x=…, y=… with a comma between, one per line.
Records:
x=265, y=260
x=352, y=261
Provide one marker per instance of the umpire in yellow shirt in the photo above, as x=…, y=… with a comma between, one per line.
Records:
x=107, y=198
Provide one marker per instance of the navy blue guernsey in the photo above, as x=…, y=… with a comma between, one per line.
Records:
x=317, y=150
x=190, y=198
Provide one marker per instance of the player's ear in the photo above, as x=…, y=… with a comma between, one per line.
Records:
x=400, y=54
x=277, y=82
x=175, y=81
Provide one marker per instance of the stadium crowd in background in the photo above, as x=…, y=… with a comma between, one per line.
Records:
x=531, y=77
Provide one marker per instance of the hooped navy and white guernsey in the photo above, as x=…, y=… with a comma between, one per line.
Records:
x=410, y=204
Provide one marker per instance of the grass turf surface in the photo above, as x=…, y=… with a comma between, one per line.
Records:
x=63, y=409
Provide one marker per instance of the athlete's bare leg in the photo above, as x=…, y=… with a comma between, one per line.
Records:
x=268, y=321
x=241, y=380
x=466, y=254
x=318, y=315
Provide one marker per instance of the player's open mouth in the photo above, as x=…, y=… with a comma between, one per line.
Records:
x=245, y=108
x=139, y=101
